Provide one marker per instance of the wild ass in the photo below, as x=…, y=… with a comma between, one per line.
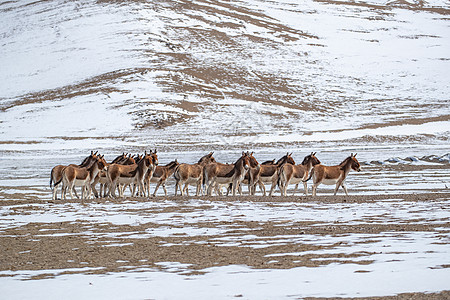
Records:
x=73, y=176
x=160, y=176
x=217, y=173
x=334, y=174
x=187, y=174
x=269, y=174
x=130, y=174
x=252, y=175
x=124, y=159
x=294, y=174
x=56, y=173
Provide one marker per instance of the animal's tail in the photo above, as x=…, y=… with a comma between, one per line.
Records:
x=205, y=177
x=176, y=175
x=310, y=175
x=279, y=174
x=51, y=179
x=58, y=182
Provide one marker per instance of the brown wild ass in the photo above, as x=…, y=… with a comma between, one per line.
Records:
x=160, y=176
x=73, y=176
x=334, y=174
x=269, y=174
x=130, y=174
x=252, y=175
x=56, y=173
x=294, y=174
x=187, y=174
x=218, y=174
x=123, y=159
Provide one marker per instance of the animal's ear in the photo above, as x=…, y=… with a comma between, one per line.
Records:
x=251, y=154
x=145, y=153
x=155, y=151
x=355, y=155
x=291, y=154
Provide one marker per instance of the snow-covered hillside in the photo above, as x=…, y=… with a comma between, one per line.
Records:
x=223, y=73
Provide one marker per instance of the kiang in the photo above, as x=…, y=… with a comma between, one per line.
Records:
x=209, y=177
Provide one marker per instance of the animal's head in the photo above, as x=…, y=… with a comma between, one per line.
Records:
x=311, y=159
x=208, y=158
x=151, y=158
x=100, y=162
x=154, y=157
x=88, y=161
x=173, y=164
x=354, y=164
x=252, y=160
x=245, y=158
x=286, y=159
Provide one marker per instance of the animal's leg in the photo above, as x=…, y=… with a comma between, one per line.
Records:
x=63, y=192
x=338, y=184
x=272, y=188
x=209, y=187
x=71, y=189
x=198, y=191
x=234, y=187
x=344, y=188
x=112, y=189
x=54, y=192
x=164, y=188
x=295, y=189
x=157, y=187
x=75, y=191
x=314, y=189
x=177, y=185
x=305, y=186
x=262, y=188
x=186, y=189
x=94, y=190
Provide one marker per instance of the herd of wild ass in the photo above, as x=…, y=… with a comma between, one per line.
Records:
x=207, y=175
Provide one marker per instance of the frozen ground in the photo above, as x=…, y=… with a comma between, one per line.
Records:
x=225, y=247
x=189, y=77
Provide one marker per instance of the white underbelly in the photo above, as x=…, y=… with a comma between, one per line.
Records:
x=125, y=180
x=79, y=182
x=267, y=179
x=295, y=180
x=330, y=181
x=192, y=180
x=223, y=180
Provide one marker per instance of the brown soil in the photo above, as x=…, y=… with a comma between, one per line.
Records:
x=60, y=245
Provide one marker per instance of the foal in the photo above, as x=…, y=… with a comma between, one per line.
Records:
x=294, y=174
x=335, y=174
